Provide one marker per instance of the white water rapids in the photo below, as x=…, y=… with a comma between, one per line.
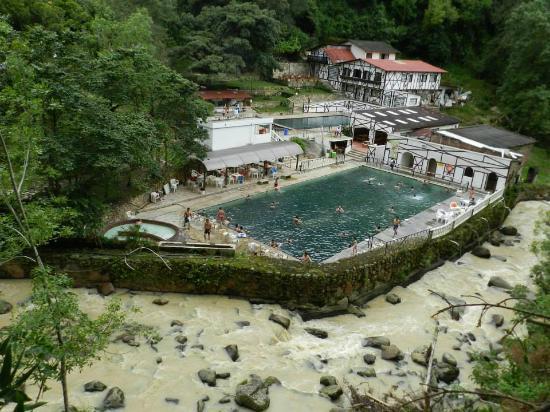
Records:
x=293, y=356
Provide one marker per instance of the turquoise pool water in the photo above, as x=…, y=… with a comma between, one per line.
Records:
x=164, y=232
x=324, y=232
x=313, y=122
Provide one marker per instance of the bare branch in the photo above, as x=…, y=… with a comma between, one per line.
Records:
x=15, y=257
x=25, y=166
x=149, y=250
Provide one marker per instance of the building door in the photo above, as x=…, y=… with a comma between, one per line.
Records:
x=491, y=183
x=432, y=167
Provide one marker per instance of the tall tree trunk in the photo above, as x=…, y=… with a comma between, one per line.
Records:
x=63, y=373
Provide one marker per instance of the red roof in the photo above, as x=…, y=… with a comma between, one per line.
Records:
x=404, y=66
x=338, y=55
x=224, y=95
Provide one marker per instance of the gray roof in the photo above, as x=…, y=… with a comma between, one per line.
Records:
x=374, y=46
x=407, y=118
x=256, y=153
x=493, y=136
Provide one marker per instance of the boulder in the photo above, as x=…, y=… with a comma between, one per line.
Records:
x=446, y=373
x=354, y=310
x=175, y=401
x=128, y=339
x=252, y=394
x=308, y=312
x=233, y=352
x=207, y=376
x=376, y=342
x=198, y=346
x=456, y=313
x=481, y=252
x=95, y=386
x=225, y=399
x=242, y=323
x=420, y=355
x=319, y=333
x=369, y=358
x=366, y=372
x=5, y=307
x=223, y=375
x=328, y=380
x=497, y=319
x=114, y=399
x=498, y=282
x=181, y=339
x=496, y=239
x=448, y=359
x=471, y=336
x=105, y=288
x=333, y=392
x=457, y=346
x=160, y=301
x=281, y=320
x=271, y=380
x=176, y=322
x=509, y=230
x=159, y=359
x=393, y=298
x=391, y=352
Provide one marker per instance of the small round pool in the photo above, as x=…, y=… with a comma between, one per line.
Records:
x=153, y=229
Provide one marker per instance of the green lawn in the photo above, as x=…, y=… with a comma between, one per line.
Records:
x=539, y=159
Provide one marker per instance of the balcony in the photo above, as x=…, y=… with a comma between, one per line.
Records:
x=370, y=83
x=317, y=59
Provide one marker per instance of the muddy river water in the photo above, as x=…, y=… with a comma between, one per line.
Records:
x=295, y=357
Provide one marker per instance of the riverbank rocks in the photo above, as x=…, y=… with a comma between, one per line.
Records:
x=420, y=355
x=318, y=333
x=160, y=301
x=105, y=288
x=5, y=307
x=391, y=352
x=496, y=238
x=328, y=380
x=448, y=359
x=281, y=320
x=333, y=392
x=498, y=282
x=95, y=386
x=376, y=342
x=369, y=358
x=252, y=394
x=233, y=352
x=393, y=298
x=481, y=252
x=354, y=310
x=366, y=372
x=446, y=373
x=509, y=231
x=114, y=399
x=207, y=376
x=497, y=319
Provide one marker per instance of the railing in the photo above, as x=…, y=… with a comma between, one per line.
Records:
x=361, y=80
x=337, y=106
x=317, y=59
x=310, y=164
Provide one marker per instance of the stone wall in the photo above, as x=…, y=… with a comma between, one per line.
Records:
x=355, y=280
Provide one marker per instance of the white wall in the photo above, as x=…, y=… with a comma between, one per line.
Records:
x=399, y=83
x=225, y=134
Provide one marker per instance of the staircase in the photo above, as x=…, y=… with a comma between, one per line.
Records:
x=356, y=155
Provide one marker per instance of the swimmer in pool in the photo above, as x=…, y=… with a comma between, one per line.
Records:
x=339, y=209
x=296, y=220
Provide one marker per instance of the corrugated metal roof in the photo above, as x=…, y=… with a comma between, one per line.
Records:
x=408, y=118
x=338, y=55
x=374, y=46
x=257, y=153
x=493, y=136
x=404, y=66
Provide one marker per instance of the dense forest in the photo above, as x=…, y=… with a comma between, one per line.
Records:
x=100, y=95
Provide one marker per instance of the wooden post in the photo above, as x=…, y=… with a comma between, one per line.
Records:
x=297, y=157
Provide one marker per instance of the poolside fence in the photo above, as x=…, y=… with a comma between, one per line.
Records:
x=337, y=106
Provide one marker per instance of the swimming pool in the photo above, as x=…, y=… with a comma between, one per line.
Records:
x=159, y=230
x=324, y=232
x=313, y=122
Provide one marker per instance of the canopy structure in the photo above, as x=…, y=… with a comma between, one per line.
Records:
x=257, y=153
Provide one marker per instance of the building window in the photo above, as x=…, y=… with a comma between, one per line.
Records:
x=378, y=77
x=410, y=78
x=413, y=101
x=404, y=77
x=347, y=72
x=423, y=78
x=357, y=73
x=382, y=55
x=433, y=77
x=369, y=55
x=366, y=75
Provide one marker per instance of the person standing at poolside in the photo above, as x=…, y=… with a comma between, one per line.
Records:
x=276, y=184
x=187, y=218
x=220, y=216
x=306, y=258
x=207, y=228
x=396, y=223
x=354, y=247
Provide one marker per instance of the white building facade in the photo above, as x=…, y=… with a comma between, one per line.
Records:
x=230, y=133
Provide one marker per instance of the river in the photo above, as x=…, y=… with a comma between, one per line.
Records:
x=295, y=357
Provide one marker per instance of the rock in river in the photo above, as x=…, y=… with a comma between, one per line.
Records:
x=481, y=252
x=509, y=230
x=366, y=372
x=233, y=352
x=393, y=298
x=95, y=386
x=333, y=392
x=105, y=288
x=498, y=282
x=448, y=359
x=181, y=339
x=160, y=301
x=319, y=333
x=5, y=307
x=208, y=376
x=281, y=320
x=391, y=352
x=369, y=358
x=114, y=399
x=328, y=380
x=446, y=373
x=376, y=341
x=252, y=394
x=420, y=355
x=497, y=319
